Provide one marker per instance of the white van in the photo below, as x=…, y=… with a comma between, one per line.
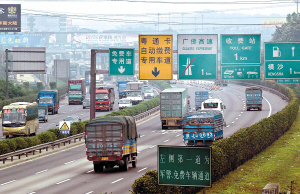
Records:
x=213, y=104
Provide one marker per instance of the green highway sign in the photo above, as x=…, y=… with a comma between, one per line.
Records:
x=197, y=56
x=282, y=60
x=240, y=72
x=184, y=166
x=288, y=81
x=121, y=61
x=240, y=49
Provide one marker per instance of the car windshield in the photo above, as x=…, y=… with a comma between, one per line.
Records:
x=124, y=101
x=134, y=93
x=75, y=92
x=13, y=117
x=100, y=96
x=210, y=105
x=86, y=100
x=46, y=100
x=149, y=90
x=72, y=119
x=42, y=112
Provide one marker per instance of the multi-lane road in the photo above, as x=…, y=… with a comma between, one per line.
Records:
x=70, y=172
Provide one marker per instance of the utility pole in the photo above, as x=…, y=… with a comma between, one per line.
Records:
x=182, y=22
x=297, y=1
x=202, y=23
x=158, y=22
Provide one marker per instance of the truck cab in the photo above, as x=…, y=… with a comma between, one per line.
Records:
x=124, y=103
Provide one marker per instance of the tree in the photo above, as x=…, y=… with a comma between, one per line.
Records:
x=289, y=31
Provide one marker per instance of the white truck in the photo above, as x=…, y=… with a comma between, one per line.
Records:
x=135, y=92
x=124, y=103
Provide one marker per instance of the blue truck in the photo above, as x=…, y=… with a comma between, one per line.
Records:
x=200, y=96
x=122, y=85
x=111, y=141
x=49, y=98
x=202, y=127
x=254, y=98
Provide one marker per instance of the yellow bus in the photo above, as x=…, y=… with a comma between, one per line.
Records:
x=20, y=118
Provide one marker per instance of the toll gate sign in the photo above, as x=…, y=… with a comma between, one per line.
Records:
x=184, y=166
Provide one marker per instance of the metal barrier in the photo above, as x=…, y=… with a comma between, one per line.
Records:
x=46, y=146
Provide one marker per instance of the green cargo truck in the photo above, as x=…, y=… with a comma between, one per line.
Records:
x=173, y=106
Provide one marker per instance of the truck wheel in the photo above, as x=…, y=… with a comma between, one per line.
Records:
x=98, y=168
x=134, y=163
x=164, y=127
x=125, y=167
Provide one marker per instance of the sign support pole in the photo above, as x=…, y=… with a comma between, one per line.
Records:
x=6, y=85
x=93, y=84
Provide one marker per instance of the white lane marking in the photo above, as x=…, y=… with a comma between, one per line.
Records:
x=89, y=171
x=178, y=135
x=236, y=118
x=165, y=133
x=270, y=112
x=31, y=192
x=142, y=136
x=117, y=180
x=8, y=182
x=152, y=146
x=239, y=115
x=70, y=162
x=153, y=131
x=232, y=121
x=63, y=181
x=41, y=171
x=90, y=192
x=142, y=169
x=242, y=112
x=228, y=126
x=167, y=140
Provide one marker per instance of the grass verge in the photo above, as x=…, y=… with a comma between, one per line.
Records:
x=279, y=163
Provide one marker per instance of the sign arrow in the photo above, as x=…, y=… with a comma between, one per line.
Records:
x=155, y=72
x=121, y=69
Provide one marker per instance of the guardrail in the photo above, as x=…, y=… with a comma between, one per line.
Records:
x=63, y=141
x=46, y=146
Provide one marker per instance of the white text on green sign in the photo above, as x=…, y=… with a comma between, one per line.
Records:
x=121, y=61
x=197, y=56
x=240, y=49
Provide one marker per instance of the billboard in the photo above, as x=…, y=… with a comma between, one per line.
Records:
x=10, y=17
x=29, y=60
x=8, y=41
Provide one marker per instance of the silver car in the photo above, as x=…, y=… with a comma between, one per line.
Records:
x=86, y=103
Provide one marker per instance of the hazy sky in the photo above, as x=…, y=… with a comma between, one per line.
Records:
x=264, y=7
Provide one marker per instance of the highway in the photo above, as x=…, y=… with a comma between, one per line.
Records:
x=68, y=171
